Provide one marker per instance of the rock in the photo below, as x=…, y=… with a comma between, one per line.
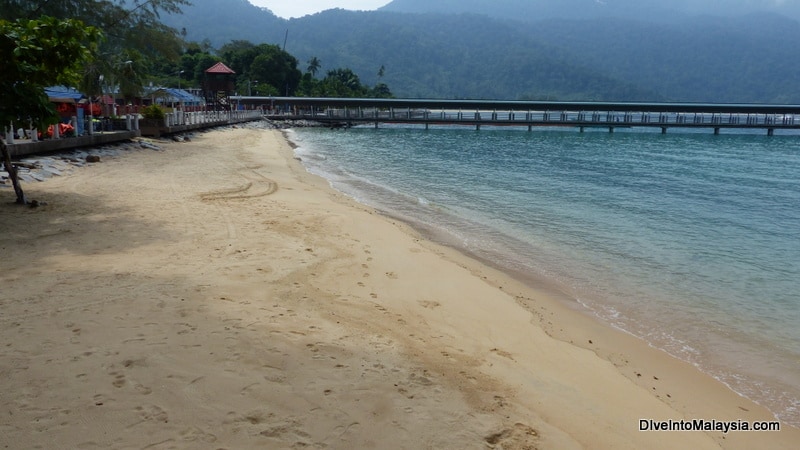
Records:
x=144, y=144
x=52, y=171
x=92, y=158
x=27, y=164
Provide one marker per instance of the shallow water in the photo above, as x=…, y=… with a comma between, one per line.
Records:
x=689, y=240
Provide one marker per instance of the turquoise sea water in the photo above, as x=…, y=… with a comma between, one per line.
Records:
x=688, y=240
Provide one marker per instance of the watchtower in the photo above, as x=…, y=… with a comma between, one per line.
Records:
x=218, y=86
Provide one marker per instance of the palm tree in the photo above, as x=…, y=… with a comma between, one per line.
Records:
x=313, y=66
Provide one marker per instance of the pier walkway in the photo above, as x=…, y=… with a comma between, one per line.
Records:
x=176, y=122
x=338, y=112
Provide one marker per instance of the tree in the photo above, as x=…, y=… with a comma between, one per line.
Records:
x=37, y=54
x=314, y=65
x=381, y=90
x=134, y=33
x=193, y=63
x=342, y=83
x=274, y=68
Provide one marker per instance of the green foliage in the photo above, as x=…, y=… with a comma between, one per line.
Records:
x=153, y=112
x=37, y=54
x=135, y=37
x=314, y=64
x=271, y=69
x=381, y=90
x=342, y=83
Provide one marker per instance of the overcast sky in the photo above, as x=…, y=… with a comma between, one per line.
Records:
x=300, y=8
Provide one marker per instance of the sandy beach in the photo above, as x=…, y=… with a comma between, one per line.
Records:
x=215, y=295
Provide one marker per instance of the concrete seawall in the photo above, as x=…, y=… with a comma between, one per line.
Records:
x=27, y=147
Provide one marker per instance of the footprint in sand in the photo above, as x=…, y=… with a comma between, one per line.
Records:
x=144, y=390
x=429, y=304
x=152, y=413
x=502, y=353
x=195, y=434
x=517, y=437
x=119, y=381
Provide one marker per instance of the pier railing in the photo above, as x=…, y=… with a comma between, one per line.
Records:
x=581, y=115
x=181, y=121
x=578, y=119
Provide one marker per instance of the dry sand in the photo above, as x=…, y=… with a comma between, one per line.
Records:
x=215, y=295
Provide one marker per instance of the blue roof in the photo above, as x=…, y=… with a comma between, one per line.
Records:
x=178, y=95
x=181, y=95
x=63, y=92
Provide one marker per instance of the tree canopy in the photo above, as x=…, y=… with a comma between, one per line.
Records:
x=134, y=36
x=267, y=69
x=36, y=54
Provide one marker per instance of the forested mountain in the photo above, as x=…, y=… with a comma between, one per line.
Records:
x=223, y=21
x=725, y=58
x=646, y=10
x=747, y=59
x=453, y=56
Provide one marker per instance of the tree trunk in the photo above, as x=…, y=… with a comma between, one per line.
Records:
x=12, y=172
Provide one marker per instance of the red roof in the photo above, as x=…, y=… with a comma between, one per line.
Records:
x=219, y=68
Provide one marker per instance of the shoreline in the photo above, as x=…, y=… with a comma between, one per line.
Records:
x=762, y=387
x=549, y=300
x=550, y=295
x=230, y=298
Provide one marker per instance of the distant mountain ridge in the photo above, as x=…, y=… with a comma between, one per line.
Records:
x=737, y=59
x=221, y=21
x=537, y=10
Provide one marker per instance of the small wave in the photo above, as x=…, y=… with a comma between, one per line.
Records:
x=304, y=152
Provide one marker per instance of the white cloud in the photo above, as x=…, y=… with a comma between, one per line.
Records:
x=299, y=8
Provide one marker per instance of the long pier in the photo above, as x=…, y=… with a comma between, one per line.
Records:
x=340, y=112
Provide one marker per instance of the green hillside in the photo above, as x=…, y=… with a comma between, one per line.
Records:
x=745, y=58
